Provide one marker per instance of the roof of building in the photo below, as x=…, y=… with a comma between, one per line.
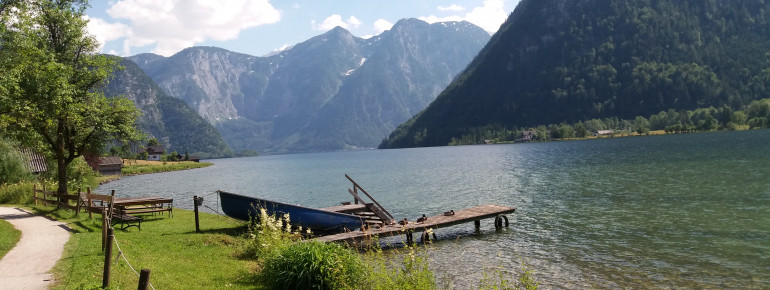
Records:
x=110, y=160
x=36, y=162
x=153, y=149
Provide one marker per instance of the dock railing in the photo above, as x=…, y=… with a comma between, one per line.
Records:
x=378, y=209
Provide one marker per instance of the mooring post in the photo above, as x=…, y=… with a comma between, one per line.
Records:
x=108, y=259
x=197, y=225
x=144, y=279
x=477, y=223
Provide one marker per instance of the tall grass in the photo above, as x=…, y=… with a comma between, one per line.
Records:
x=410, y=271
x=313, y=265
x=17, y=193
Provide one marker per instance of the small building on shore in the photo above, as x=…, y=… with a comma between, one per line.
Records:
x=153, y=152
x=110, y=165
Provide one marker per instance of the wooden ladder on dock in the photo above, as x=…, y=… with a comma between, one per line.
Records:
x=376, y=214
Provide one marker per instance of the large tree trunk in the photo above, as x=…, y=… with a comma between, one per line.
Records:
x=61, y=162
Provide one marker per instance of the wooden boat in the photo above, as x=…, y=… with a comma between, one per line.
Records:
x=243, y=207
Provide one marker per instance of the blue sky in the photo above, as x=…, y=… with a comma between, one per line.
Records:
x=257, y=27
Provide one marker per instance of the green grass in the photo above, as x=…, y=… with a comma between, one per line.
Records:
x=9, y=236
x=230, y=254
x=178, y=257
x=162, y=167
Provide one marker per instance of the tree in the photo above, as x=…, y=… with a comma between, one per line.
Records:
x=152, y=142
x=50, y=90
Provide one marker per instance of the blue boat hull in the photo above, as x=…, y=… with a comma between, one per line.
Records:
x=244, y=207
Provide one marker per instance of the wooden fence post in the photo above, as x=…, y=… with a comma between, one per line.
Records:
x=88, y=206
x=195, y=207
x=105, y=225
x=144, y=279
x=108, y=259
x=77, y=204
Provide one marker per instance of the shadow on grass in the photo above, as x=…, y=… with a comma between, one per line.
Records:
x=235, y=231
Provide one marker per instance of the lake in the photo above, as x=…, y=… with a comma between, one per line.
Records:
x=674, y=211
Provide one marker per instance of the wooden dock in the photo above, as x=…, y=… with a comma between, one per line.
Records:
x=475, y=214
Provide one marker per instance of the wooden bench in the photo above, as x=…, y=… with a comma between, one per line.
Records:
x=127, y=221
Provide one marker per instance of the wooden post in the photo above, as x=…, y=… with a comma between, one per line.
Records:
x=88, y=207
x=195, y=207
x=77, y=204
x=478, y=224
x=108, y=259
x=34, y=193
x=105, y=225
x=144, y=279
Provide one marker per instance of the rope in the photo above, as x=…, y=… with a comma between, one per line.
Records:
x=216, y=210
x=120, y=254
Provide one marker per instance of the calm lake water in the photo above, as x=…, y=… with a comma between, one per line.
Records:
x=675, y=211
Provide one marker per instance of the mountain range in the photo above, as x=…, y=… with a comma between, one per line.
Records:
x=332, y=92
x=556, y=61
x=168, y=119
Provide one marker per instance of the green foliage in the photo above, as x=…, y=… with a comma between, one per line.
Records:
x=685, y=121
x=267, y=235
x=410, y=271
x=17, y=193
x=13, y=167
x=313, y=265
x=81, y=175
x=53, y=99
x=9, y=236
x=129, y=169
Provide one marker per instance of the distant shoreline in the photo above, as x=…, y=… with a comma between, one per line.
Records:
x=142, y=167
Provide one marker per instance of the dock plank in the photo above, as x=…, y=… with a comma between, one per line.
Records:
x=438, y=221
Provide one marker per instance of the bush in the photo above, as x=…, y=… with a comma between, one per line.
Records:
x=267, y=235
x=13, y=167
x=17, y=193
x=81, y=175
x=410, y=272
x=313, y=265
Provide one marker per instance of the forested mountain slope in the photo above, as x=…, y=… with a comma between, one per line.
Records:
x=558, y=61
x=165, y=118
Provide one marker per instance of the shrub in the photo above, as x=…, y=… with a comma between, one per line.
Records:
x=410, y=272
x=13, y=167
x=17, y=193
x=313, y=265
x=81, y=175
x=267, y=235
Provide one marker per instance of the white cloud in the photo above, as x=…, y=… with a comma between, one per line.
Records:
x=173, y=25
x=336, y=20
x=104, y=31
x=489, y=16
x=381, y=25
x=453, y=7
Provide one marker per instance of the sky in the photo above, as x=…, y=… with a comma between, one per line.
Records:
x=259, y=27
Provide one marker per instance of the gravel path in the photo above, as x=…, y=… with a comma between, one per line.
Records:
x=27, y=265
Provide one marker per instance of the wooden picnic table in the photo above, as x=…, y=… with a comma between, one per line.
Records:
x=150, y=204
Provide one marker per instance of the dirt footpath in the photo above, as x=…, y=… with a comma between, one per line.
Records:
x=27, y=265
